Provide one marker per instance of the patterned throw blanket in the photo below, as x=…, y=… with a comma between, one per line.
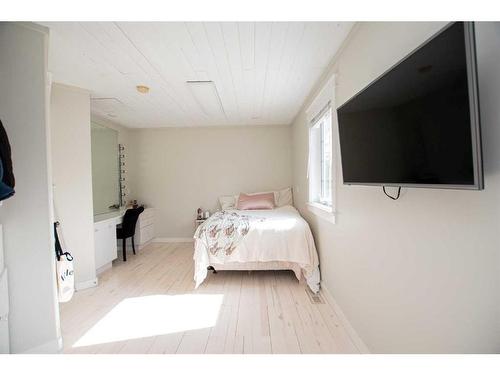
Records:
x=223, y=231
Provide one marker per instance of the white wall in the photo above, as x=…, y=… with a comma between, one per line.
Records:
x=177, y=170
x=27, y=216
x=72, y=177
x=419, y=275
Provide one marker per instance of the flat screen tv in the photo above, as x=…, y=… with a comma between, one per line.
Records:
x=418, y=124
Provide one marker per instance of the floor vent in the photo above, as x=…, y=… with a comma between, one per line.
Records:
x=316, y=299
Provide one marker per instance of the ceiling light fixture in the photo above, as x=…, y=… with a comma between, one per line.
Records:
x=142, y=89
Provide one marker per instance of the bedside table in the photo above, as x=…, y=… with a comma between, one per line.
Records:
x=198, y=222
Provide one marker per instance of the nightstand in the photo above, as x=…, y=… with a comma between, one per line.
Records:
x=198, y=222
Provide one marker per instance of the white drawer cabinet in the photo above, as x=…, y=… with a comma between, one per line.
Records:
x=144, y=229
x=105, y=243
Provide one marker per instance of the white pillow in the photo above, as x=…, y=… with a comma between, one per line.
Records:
x=284, y=197
x=228, y=202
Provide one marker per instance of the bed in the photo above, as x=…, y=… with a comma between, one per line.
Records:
x=275, y=239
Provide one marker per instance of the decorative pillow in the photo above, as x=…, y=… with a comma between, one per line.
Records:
x=285, y=197
x=228, y=202
x=276, y=195
x=263, y=201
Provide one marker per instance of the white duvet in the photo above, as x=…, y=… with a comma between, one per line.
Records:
x=278, y=235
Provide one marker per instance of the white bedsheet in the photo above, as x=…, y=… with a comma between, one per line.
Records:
x=282, y=235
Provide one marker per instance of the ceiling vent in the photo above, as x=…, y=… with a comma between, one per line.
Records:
x=110, y=107
x=207, y=96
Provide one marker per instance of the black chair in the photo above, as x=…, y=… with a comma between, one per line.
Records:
x=127, y=228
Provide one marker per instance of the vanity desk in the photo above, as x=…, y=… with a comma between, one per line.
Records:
x=106, y=245
x=109, y=194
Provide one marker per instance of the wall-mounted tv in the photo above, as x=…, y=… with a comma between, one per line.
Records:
x=418, y=124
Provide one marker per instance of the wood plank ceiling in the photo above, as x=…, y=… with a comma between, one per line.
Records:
x=260, y=72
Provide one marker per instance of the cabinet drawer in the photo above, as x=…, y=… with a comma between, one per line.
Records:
x=104, y=242
x=144, y=222
x=99, y=245
x=147, y=234
x=148, y=213
x=111, y=245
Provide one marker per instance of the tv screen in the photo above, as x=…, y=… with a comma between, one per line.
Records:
x=418, y=124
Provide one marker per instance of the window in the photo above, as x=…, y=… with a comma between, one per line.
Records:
x=321, y=155
x=320, y=138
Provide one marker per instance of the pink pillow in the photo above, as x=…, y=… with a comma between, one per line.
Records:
x=264, y=201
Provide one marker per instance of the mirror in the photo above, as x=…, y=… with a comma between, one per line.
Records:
x=105, y=169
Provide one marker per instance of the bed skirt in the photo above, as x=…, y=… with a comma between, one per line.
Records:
x=313, y=281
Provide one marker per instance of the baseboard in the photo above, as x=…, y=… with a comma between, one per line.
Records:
x=51, y=347
x=355, y=338
x=86, y=284
x=106, y=267
x=138, y=247
x=173, y=239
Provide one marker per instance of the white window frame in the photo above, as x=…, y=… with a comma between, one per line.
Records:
x=321, y=105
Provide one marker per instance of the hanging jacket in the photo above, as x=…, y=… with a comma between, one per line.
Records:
x=7, y=181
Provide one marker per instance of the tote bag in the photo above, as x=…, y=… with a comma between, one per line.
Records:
x=65, y=278
x=65, y=272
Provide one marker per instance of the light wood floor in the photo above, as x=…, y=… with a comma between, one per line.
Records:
x=253, y=312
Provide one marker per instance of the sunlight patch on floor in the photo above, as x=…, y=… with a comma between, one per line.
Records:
x=154, y=315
